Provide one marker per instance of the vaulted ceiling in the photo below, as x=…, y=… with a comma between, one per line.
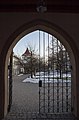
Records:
x=67, y=6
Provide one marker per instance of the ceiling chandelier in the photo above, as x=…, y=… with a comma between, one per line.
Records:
x=41, y=6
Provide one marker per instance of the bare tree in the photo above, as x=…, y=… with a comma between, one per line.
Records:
x=31, y=61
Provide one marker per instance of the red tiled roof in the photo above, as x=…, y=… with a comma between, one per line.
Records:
x=27, y=53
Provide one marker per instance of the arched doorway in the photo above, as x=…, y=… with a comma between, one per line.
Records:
x=42, y=26
x=45, y=62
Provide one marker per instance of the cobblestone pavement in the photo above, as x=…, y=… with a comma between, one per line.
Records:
x=21, y=108
x=36, y=116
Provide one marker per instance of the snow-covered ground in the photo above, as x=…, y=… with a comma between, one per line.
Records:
x=51, y=78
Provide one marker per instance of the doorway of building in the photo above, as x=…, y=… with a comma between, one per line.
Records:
x=47, y=65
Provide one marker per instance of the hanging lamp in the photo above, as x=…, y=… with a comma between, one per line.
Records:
x=41, y=6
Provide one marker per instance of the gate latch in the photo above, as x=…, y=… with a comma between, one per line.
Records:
x=40, y=83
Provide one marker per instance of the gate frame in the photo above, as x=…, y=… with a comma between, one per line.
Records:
x=44, y=97
x=59, y=34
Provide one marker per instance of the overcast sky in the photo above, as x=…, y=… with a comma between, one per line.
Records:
x=32, y=40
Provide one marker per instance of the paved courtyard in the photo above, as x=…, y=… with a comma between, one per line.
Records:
x=25, y=104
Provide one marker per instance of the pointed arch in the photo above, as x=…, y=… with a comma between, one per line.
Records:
x=49, y=28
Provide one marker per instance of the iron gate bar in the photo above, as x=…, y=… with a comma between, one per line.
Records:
x=39, y=70
x=53, y=69
x=48, y=79
x=10, y=81
x=44, y=66
x=66, y=84
x=57, y=82
x=62, y=74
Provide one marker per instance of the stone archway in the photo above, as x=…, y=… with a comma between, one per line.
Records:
x=53, y=30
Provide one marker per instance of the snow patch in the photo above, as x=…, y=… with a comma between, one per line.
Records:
x=43, y=79
x=31, y=80
x=20, y=74
x=51, y=78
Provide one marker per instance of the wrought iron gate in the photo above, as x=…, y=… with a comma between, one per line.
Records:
x=10, y=80
x=54, y=75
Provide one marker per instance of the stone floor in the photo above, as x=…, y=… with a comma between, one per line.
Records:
x=27, y=109
x=36, y=116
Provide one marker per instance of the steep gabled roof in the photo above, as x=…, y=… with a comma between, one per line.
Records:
x=26, y=53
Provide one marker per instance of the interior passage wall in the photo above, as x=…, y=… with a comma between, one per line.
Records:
x=10, y=22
